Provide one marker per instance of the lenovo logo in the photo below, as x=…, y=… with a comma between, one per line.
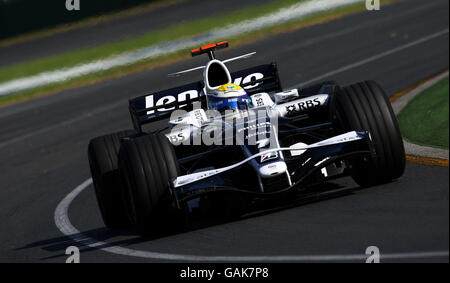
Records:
x=191, y=94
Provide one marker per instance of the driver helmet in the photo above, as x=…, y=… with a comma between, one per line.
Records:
x=229, y=97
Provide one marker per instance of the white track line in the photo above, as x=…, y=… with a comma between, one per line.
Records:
x=65, y=226
x=295, y=11
x=373, y=58
x=364, y=25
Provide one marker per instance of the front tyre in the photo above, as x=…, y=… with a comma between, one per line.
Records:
x=148, y=164
x=365, y=106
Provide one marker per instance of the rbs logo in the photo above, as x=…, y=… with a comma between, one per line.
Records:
x=72, y=5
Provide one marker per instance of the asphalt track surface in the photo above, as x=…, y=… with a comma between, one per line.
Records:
x=119, y=28
x=43, y=157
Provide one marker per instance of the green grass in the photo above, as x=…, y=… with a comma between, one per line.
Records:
x=88, y=22
x=424, y=120
x=178, y=31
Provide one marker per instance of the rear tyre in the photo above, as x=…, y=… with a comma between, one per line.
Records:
x=365, y=106
x=148, y=164
x=103, y=160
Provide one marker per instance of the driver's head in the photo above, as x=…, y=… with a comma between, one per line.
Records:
x=230, y=98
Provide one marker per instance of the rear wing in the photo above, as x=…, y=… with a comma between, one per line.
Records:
x=209, y=49
x=157, y=106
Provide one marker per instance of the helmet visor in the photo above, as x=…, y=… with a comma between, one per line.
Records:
x=231, y=104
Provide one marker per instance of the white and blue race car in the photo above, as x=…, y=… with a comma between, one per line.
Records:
x=240, y=133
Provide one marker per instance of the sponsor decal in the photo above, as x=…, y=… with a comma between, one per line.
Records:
x=286, y=95
x=248, y=79
x=269, y=156
x=291, y=109
x=191, y=94
x=199, y=115
x=150, y=100
x=260, y=133
x=259, y=102
x=177, y=138
x=302, y=106
x=255, y=127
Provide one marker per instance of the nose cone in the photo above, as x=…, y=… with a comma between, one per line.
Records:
x=273, y=169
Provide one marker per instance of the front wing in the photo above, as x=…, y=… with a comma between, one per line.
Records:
x=315, y=157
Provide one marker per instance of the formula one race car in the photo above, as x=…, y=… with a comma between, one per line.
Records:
x=241, y=133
